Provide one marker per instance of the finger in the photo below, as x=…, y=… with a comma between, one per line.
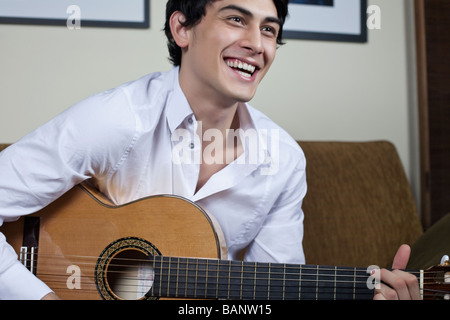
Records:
x=396, y=288
x=384, y=292
x=412, y=283
x=401, y=257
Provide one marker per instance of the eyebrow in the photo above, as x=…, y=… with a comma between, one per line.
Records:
x=249, y=13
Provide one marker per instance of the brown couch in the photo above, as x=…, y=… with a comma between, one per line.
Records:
x=359, y=208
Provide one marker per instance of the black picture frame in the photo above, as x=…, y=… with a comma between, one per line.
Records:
x=358, y=17
x=23, y=13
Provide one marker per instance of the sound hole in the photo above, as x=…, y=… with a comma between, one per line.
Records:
x=130, y=274
x=124, y=269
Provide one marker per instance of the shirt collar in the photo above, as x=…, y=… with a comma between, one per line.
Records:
x=178, y=108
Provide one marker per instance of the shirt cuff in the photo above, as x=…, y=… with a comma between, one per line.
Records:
x=18, y=283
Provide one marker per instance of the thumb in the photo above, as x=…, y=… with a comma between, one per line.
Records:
x=401, y=257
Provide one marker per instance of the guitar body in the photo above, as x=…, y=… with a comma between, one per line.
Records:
x=76, y=229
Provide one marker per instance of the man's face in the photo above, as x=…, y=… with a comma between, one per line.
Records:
x=231, y=49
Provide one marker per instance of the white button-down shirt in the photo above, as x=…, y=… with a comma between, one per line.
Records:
x=139, y=140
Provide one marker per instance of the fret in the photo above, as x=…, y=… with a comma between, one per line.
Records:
x=186, y=278
x=196, y=280
x=229, y=279
x=178, y=277
x=268, y=283
x=160, y=277
x=276, y=281
x=299, y=283
x=248, y=284
x=242, y=280
x=351, y=284
x=217, y=279
x=201, y=278
x=191, y=278
x=262, y=281
x=235, y=283
x=168, y=276
x=153, y=290
x=206, y=278
x=317, y=282
x=222, y=280
x=254, y=281
x=211, y=276
x=307, y=282
x=327, y=283
x=335, y=280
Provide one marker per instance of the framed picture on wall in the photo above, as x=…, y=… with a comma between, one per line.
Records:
x=90, y=13
x=327, y=20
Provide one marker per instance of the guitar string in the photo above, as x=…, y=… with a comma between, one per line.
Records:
x=359, y=272
x=226, y=263
x=287, y=279
x=253, y=277
x=321, y=281
x=202, y=261
x=436, y=294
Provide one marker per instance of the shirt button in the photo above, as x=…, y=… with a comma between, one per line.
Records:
x=192, y=145
x=190, y=120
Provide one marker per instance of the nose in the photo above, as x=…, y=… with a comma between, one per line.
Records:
x=252, y=40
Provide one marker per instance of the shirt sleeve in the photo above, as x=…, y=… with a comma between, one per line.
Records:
x=16, y=282
x=281, y=235
x=86, y=140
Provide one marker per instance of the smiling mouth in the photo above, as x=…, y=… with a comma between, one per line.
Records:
x=244, y=69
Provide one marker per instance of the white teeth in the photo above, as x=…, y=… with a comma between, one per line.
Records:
x=241, y=65
x=247, y=75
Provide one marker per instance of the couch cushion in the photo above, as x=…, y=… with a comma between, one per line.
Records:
x=359, y=207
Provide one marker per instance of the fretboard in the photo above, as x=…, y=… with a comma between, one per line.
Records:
x=222, y=279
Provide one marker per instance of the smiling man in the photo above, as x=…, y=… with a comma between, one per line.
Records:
x=136, y=140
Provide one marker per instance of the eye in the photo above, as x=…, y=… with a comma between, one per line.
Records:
x=270, y=30
x=236, y=20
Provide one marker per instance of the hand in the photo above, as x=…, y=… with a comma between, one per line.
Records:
x=51, y=296
x=397, y=284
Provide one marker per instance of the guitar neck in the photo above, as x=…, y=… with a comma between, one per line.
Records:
x=221, y=279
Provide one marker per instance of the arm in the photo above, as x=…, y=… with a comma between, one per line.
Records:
x=78, y=144
x=27, y=184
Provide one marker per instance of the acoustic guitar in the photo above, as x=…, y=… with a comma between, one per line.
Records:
x=84, y=247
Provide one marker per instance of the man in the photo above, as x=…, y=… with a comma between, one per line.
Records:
x=184, y=132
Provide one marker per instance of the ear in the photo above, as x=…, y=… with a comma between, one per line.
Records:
x=179, y=32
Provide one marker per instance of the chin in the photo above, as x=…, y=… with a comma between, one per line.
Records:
x=244, y=96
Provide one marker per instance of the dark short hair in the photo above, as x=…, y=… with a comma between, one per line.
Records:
x=194, y=10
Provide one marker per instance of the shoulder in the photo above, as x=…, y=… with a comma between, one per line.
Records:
x=111, y=122
x=120, y=110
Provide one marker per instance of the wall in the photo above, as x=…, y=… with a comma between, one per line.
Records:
x=316, y=90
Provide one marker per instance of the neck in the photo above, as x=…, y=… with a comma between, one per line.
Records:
x=212, y=279
x=215, y=111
